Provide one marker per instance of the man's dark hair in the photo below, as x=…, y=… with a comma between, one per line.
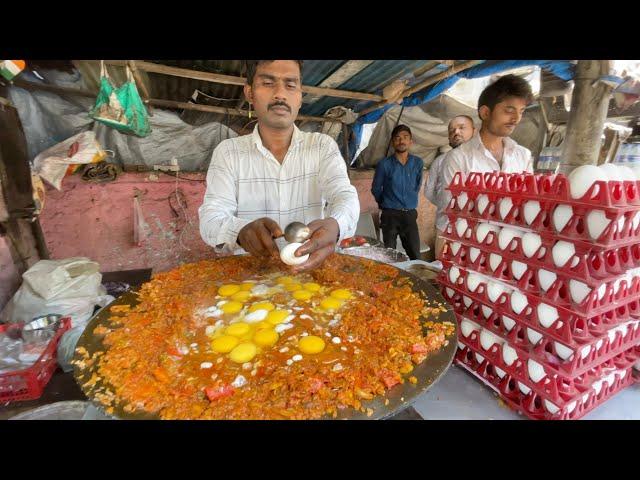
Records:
x=504, y=87
x=463, y=116
x=252, y=66
x=401, y=128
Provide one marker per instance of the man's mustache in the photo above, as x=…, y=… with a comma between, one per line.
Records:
x=279, y=104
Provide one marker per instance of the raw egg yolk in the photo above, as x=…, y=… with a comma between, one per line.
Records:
x=238, y=329
x=312, y=287
x=284, y=280
x=231, y=307
x=247, y=286
x=265, y=337
x=241, y=296
x=228, y=290
x=311, y=344
x=224, y=344
x=268, y=306
x=292, y=287
x=277, y=316
x=302, y=295
x=330, y=303
x=243, y=352
x=341, y=294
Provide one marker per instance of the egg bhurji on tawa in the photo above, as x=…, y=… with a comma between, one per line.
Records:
x=238, y=338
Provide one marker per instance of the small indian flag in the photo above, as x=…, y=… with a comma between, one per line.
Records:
x=10, y=68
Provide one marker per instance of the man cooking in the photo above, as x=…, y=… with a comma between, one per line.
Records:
x=259, y=183
x=500, y=107
x=460, y=130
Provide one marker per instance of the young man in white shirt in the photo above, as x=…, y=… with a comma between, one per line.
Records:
x=259, y=183
x=460, y=130
x=500, y=107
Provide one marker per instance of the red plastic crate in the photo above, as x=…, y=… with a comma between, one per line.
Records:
x=602, y=297
x=587, y=265
x=533, y=406
x=545, y=352
x=529, y=186
x=28, y=384
x=569, y=328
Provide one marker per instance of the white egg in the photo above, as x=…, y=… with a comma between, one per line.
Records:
x=523, y=388
x=585, y=397
x=563, y=352
x=621, y=223
x=518, y=302
x=467, y=301
x=494, y=261
x=508, y=323
x=636, y=221
x=546, y=278
x=461, y=345
x=612, y=171
x=257, y=316
x=486, y=311
x=454, y=273
x=501, y=373
x=578, y=290
x=487, y=339
x=585, y=351
x=450, y=292
x=531, y=242
x=561, y=216
x=506, y=204
x=473, y=253
x=509, y=354
x=455, y=247
x=506, y=235
x=462, y=200
x=494, y=290
x=518, y=269
x=626, y=173
x=597, y=386
x=536, y=371
x=461, y=226
x=552, y=408
x=482, y=202
x=479, y=358
x=547, y=314
x=288, y=257
x=260, y=289
x=562, y=251
x=601, y=291
x=483, y=229
x=473, y=280
x=533, y=336
x=597, y=222
x=571, y=406
x=599, y=344
x=467, y=327
x=610, y=379
x=531, y=211
x=582, y=178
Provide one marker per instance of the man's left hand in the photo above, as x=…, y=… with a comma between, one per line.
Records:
x=321, y=243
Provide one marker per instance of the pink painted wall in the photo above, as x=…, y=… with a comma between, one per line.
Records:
x=10, y=277
x=96, y=220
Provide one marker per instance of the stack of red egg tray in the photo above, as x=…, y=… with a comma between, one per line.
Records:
x=547, y=356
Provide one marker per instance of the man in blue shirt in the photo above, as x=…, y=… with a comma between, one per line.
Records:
x=396, y=185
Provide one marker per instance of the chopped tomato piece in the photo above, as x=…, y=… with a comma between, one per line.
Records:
x=214, y=393
x=389, y=378
x=419, y=348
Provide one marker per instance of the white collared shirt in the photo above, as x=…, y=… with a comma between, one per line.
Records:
x=473, y=156
x=434, y=190
x=246, y=182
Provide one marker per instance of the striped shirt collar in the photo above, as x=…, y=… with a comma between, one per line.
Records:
x=297, y=137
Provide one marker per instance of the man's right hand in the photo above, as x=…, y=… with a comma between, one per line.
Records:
x=257, y=237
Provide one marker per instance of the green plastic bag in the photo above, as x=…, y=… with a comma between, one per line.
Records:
x=121, y=108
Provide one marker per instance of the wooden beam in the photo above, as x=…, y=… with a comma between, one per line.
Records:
x=337, y=78
x=158, y=102
x=141, y=83
x=424, y=84
x=233, y=80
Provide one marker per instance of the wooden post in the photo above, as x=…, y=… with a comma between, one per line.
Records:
x=141, y=83
x=588, y=113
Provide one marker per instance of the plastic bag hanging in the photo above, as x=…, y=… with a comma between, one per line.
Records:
x=120, y=108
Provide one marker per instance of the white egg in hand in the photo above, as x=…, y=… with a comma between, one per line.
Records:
x=288, y=257
x=582, y=178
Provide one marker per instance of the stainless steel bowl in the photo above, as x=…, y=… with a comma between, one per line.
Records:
x=41, y=328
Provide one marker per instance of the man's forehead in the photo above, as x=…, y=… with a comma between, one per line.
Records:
x=279, y=69
x=516, y=102
x=457, y=121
